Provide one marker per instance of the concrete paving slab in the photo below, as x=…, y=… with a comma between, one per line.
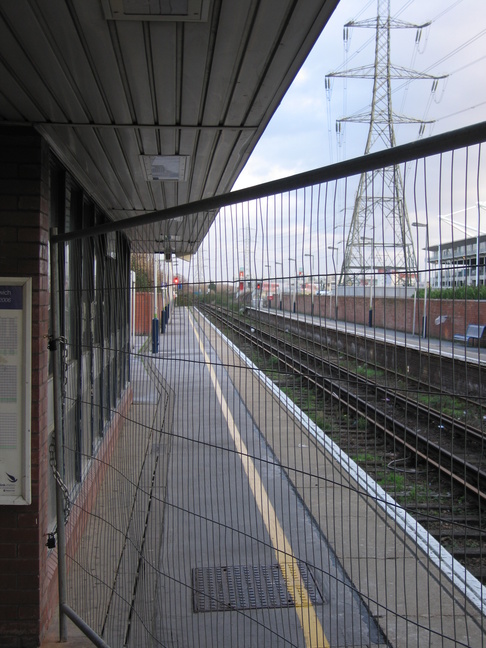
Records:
x=415, y=603
x=208, y=516
x=213, y=519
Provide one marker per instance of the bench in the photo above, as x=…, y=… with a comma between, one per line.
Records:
x=474, y=332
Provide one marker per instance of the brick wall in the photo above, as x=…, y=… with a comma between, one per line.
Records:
x=24, y=252
x=445, y=317
x=28, y=571
x=144, y=312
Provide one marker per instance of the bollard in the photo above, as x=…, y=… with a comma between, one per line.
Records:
x=163, y=321
x=155, y=335
x=424, y=326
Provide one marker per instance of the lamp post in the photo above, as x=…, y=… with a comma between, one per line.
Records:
x=424, y=318
x=267, y=266
x=155, y=319
x=369, y=241
x=312, y=280
x=415, y=298
x=293, y=288
x=335, y=249
x=279, y=289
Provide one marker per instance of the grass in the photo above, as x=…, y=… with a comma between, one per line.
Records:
x=363, y=458
x=391, y=481
x=362, y=423
x=418, y=493
x=369, y=372
x=454, y=408
x=404, y=489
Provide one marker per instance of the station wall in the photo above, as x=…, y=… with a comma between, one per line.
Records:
x=37, y=193
x=445, y=317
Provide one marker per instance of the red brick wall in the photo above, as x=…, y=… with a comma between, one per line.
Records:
x=24, y=252
x=86, y=498
x=144, y=312
x=28, y=572
x=452, y=316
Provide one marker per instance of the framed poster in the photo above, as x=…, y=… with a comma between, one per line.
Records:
x=15, y=389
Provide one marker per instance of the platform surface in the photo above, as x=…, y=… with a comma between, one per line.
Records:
x=255, y=493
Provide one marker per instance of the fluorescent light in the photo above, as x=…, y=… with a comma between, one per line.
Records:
x=165, y=168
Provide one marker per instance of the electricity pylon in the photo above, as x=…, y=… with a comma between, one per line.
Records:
x=380, y=239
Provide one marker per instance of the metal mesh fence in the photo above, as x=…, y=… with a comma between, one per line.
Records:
x=266, y=447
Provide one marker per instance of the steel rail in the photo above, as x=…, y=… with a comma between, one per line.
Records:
x=424, y=448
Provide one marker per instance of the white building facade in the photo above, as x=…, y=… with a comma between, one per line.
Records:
x=458, y=263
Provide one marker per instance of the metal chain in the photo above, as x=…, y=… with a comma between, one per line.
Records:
x=58, y=478
x=52, y=448
x=64, y=372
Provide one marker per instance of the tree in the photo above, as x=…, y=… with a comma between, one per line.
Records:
x=143, y=266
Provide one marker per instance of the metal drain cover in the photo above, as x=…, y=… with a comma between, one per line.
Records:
x=246, y=587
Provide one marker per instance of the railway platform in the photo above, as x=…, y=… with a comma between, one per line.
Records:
x=447, y=348
x=449, y=366
x=271, y=535
x=255, y=485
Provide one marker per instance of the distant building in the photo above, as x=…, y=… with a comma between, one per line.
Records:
x=458, y=263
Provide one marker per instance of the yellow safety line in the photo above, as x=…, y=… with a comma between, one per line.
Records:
x=311, y=626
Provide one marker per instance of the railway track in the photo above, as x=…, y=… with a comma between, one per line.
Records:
x=429, y=461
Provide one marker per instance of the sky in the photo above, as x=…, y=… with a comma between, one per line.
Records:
x=302, y=133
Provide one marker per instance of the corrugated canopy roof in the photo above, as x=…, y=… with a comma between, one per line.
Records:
x=153, y=103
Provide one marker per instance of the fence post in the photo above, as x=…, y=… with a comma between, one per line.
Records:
x=56, y=362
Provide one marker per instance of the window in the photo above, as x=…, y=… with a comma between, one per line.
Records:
x=94, y=319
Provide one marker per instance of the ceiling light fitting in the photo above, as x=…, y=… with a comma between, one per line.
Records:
x=165, y=168
x=168, y=10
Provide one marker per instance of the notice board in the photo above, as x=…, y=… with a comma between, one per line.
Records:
x=15, y=389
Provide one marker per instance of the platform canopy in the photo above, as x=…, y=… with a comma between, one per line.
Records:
x=153, y=103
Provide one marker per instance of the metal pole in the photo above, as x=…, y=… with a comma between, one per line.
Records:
x=477, y=264
x=417, y=224
x=280, y=288
x=334, y=249
x=460, y=138
x=312, y=281
x=336, y=284
x=293, y=285
x=95, y=639
x=424, y=332
x=415, y=300
x=54, y=347
x=155, y=319
x=370, y=310
x=155, y=287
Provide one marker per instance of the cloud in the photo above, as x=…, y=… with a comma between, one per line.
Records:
x=301, y=136
x=263, y=169
x=297, y=137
